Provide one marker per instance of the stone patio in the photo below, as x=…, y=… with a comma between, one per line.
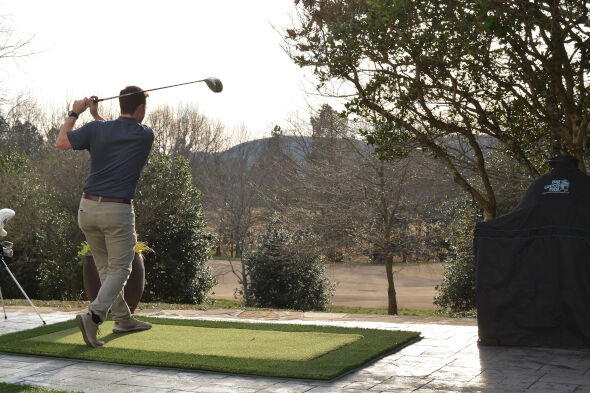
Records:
x=447, y=359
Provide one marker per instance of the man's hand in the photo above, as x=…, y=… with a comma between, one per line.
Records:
x=94, y=108
x=81, y=105
x=62, y=142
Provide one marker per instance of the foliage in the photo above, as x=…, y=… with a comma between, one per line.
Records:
x=140, y=248
x=456, y=77
x=286, y=271
x=44, y=232
x=170, y=219
x=457, y=290
x=84, y=250
x=19, y=388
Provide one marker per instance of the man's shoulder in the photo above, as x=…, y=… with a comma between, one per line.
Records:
x=148, y=129
x=98, y=123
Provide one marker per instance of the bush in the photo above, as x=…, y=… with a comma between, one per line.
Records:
x=457, y=290
x=169, y=218
x=286, y=271
x=44, y=231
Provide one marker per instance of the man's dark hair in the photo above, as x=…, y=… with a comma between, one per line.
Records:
x=130, y=103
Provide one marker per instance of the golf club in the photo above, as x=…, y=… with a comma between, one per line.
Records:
x=213, y=83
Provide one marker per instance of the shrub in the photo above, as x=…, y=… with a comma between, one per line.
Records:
x=44, y=231
x=457, y=290
x=170, y=219
x=286, y=271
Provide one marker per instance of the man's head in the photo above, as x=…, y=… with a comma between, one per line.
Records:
x=133, y=104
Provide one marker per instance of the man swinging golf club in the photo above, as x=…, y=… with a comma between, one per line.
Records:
x=118, y=152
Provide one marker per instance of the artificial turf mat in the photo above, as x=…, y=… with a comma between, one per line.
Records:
x=279, y=350
x=241, y=343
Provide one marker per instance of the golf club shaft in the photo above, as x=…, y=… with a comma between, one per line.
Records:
x=157, y=88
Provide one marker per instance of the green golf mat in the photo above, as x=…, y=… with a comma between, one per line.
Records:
x=279, y=350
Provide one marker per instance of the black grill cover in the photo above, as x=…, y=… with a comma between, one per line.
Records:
x=533, y=265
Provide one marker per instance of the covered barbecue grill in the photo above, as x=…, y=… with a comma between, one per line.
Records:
x=533, y=265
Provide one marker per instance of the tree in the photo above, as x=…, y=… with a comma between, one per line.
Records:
x=44, y=231
x=352, y=200
x=286, y=271
x=185, y=131
x=444, y=74
x=457, y=290
x=237, y=178
x=170, y=219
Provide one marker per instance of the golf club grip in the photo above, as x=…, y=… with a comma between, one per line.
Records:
x=105, y=99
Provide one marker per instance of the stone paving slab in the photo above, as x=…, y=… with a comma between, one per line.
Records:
x=447, y=359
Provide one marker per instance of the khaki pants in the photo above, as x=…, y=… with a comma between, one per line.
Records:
x=109, y=228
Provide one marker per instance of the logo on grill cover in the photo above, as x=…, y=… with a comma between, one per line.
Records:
x=558, y=187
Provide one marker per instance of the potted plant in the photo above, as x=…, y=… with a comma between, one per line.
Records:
x=134, y=285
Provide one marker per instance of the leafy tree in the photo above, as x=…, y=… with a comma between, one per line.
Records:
x=457, y=290
x=446, y=74
x=23, y=135
x=44, y=231
x=169, y=217
x=357, y=204
x=286, y=271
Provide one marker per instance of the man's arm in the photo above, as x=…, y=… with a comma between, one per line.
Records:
x=94, y=108
x=63, y=143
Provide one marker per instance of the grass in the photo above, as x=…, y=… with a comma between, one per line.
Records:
x=395, y=264
x=207, y=341
x=14, y=388
x=225, y=259
x=235, y=304
x=383, y=311
x=342, y=349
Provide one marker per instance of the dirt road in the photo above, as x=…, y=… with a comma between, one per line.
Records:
x=358, y=286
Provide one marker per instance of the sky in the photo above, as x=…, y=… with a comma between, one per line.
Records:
x=84, y=48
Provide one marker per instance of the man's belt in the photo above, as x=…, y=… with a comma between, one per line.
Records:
x=106, y=199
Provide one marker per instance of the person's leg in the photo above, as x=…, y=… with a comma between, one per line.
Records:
x=98, y=246
x=118, y=224
x=87, y=221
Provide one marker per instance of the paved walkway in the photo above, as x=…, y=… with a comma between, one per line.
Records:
x=447, y=359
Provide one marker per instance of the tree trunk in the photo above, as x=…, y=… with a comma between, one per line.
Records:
x=489, y=214
x=238, y=250
x=245, y=285
x=391, y=298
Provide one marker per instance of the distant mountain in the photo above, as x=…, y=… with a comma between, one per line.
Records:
x=299, y=147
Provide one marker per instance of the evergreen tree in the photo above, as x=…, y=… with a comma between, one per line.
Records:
x=169, y=217
x=286, y=271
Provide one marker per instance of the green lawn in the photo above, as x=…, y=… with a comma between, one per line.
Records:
x=226, y=303
x=12, y=388
x=279, y=350
x=233, y=259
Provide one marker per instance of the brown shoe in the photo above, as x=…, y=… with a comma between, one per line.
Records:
x=89, y=330
x=131, y=325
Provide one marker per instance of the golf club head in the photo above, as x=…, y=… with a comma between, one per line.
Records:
x=214, y=84
x=5, y=215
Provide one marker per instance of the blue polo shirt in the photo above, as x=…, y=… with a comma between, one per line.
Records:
x=118, y=150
